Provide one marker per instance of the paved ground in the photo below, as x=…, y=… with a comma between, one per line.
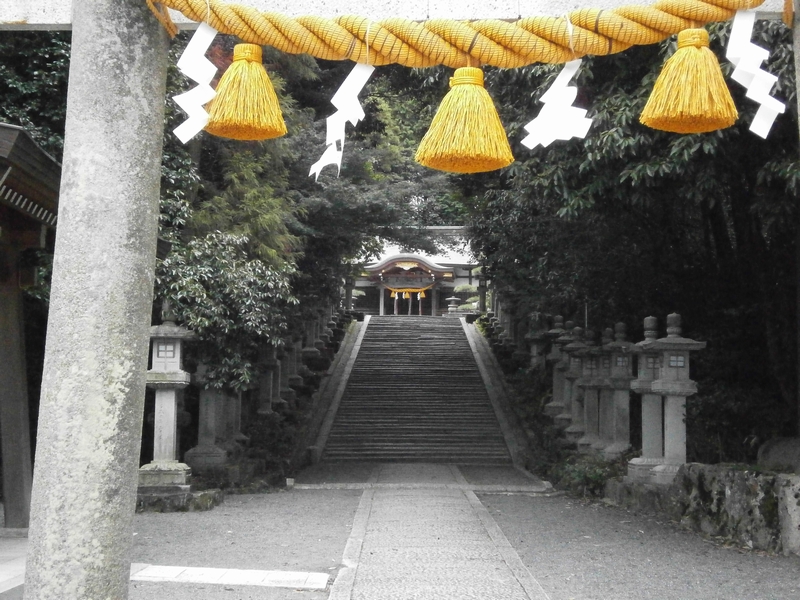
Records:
x=437, y=532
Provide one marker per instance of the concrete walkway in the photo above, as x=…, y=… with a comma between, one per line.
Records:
x=405, y=531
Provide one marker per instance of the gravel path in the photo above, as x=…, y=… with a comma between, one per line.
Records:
x=590, y=551
x=574, y=549
x=301, y=530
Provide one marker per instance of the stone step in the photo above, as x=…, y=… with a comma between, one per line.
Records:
x=415, y=394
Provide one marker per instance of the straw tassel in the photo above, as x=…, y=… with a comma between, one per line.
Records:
x=690, y=94
x=466, y=135
x=246, y=107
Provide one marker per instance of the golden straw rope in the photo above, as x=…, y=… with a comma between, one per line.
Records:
x=461, y=43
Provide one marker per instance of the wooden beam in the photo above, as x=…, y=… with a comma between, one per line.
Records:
x=57, y=14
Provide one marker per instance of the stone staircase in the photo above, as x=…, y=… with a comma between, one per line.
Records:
x=415, y=395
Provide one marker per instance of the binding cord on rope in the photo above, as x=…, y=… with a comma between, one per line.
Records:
x=457, y=44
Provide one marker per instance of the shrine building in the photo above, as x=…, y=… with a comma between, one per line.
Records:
x=401, y=283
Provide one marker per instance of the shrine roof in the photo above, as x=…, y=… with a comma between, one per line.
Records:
x=445, y=260
x=29, y=176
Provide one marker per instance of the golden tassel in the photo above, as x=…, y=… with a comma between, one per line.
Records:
x=393, y=295
x=690, y=94
x=422, y=294
x=406, y=296
x=246, y=107
x=466, y=135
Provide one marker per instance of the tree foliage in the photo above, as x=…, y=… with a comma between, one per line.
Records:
x=233, y=303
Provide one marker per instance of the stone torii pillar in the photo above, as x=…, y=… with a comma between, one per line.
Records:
x=84, y=485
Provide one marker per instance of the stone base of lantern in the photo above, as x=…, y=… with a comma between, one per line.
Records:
x=200, y=458
x=664, y=474
x=564, y=420
x=164, y=473
x=588, y=443
x=553, y=409
x=615, y=450
x=640, y=469
x=574, y=432
x=289, y=396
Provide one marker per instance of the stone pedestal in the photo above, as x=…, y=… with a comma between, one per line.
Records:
x=576, y=429
x=207, y=455
x=267, y=369
x=591, y=383
x=286, y=393
x=621, y=353
x=560, y=406
x=293, y=353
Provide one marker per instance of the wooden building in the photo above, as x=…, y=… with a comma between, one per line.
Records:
x=29, y=185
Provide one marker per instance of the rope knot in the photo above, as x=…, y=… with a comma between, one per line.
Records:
x=248, y=52
x=466, y=75
x=693, y=37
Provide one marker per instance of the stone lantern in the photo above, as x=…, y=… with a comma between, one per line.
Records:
x=590, y=382
x=674, y=384
x=574, y=351
x=652, y=417
x=556, y=405
x=452, y=304
x=621, y=374
x=481, y=294
x=563, y=419
x=168, y=379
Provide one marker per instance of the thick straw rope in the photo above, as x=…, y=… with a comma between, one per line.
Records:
x=461, y=43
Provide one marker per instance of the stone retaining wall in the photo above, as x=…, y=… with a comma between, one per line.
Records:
x=757, y=510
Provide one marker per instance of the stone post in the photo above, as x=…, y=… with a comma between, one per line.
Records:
x=556, y=404
x=537, y=340
x=168, y=379
x=84, y=483
x=349, y=284
x=310, y=351
x=574, y=351
x=652, y=416
x=206, y=455
x=285, y=356
x=14, y=419
x=605, y=398
x=621, y=377
x=590, y=383
x=674, y=384
x=267, y=363
x=564, y=418
x=481, y=295
x=295, y=379
x=277, y=375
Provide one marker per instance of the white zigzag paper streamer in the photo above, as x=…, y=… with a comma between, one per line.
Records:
x=748, y=58
x=194, y=64
x=348, y=110
x=558, y=119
